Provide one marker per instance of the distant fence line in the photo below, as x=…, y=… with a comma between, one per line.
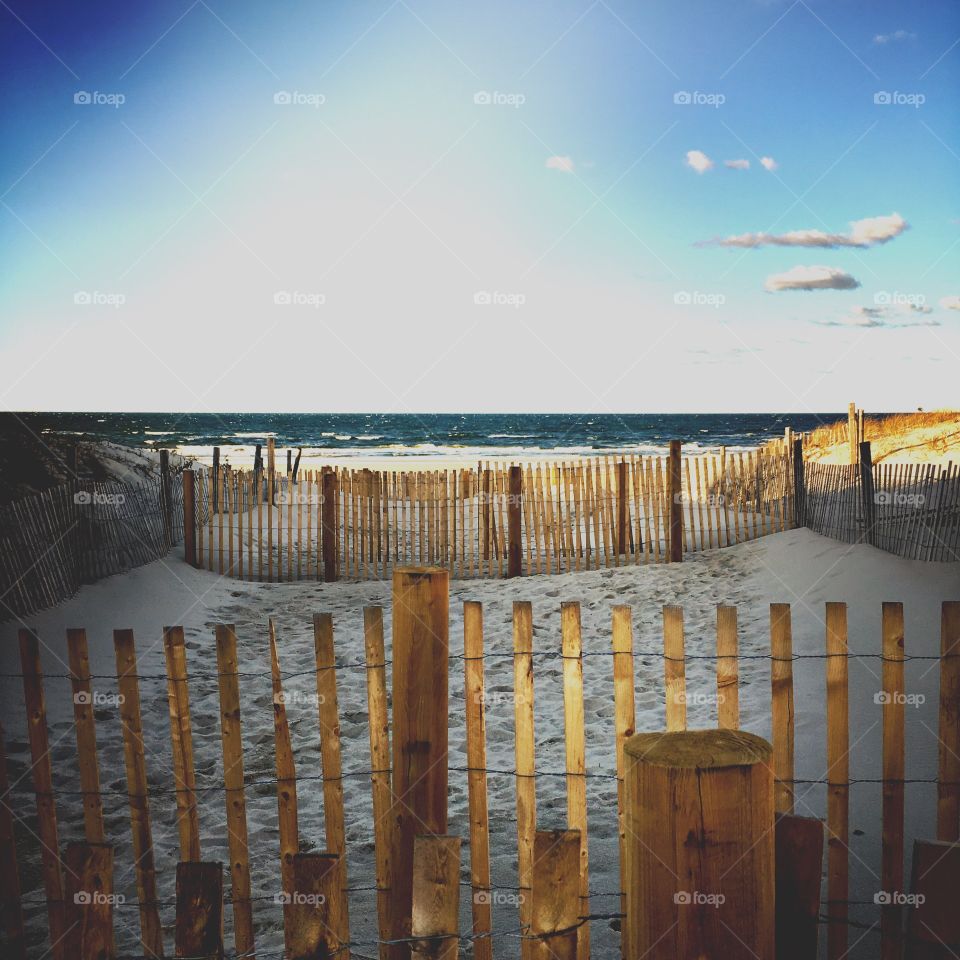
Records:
x=492, y=521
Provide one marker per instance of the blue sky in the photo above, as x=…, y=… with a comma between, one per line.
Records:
x=507, y=207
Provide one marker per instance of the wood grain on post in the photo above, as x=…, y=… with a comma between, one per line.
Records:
x=625, y=721
x=554, y=918
x=329, y=525
x=436, y=898
x=379, y=724
x=189, y=518
x=331, y=766
x=311, y=931
x=42, y=773
x=948, y=772
x=230, y=734
x=89, y=903
x=838, y=780
x=473, y=689
x=525, y=759
x=421, y=649
x=893, y=699
x=128, y=683
x=11, y=909
x=933, y=927
x=799, y=862
x=515, y=523
x=181, y=738
x=199, y=923
x=85, y=726
x=700, y=828
x=781, y=686
x=728, y=676
x=674, y=668
x=675, y=503
x=576, y=761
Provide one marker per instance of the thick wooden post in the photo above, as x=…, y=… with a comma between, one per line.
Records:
x=311, y=926
x=89, y=906
x=700, y=845
x=675, y=500
x=329, y=524
x=199, y=923
x=421, y=647
x=948, y=763
x=11, y=910
x=623, y=509
x=799, y=485
x=799, y=842
x=189, y=518
x=554, y=913
x=514, y=515
x=436, y=898
x=867, y=493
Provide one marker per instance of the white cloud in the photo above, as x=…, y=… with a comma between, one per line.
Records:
x=863, y=233
x=768, y=163
x=563, y=164
x=892, y=316
x=811, y=278
x=883, y=38
x=950, y=303
x=699, y=161
x=737, y=164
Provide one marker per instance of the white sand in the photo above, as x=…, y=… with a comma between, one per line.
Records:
x=796, y=566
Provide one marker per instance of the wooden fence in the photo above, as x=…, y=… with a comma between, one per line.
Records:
x=550, y=906
x=494, y=521
x=79, y=532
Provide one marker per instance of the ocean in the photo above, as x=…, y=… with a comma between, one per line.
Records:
x=442, y=434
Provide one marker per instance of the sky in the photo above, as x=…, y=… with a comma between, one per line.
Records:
x=416, y=206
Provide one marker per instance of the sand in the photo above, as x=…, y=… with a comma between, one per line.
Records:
x=796, y=566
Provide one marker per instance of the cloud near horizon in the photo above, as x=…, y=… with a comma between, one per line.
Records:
x=563, y=164
x=698, y=160
x=863, y=233
x=891, y=316
x=811, y=278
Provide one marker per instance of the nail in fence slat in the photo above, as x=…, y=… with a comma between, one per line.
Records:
x=625, y=720
x=233, y=781
x=525, y=759
x=799, y=862
x=11, y=910
x=332, y=767
x=473, y=689
x=41, y=770
x=948, y=775
x=311, y=931
x=572, y=649
x=674, y=676
x=85, y=727
x=89, y=905
x=554, y=915
x=728, y=679
x=838, y=777
x=199, y=924
x=379, y=724
x=893, y=773
x=934, y=923
x=436, y=897
x=151, y=934
x=181, y=738
x=781, y=683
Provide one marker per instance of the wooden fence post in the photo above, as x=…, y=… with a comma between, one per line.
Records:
x=436, y=898
x=421, y=648
x=215, y=482
x=89, y=906
x=799, y=485
x=623, y=509
x=554, y=915
x=271, y=471
x=311, y=904
x=799, y=856
x=675, y=498
x=199, y=921
x=189, y=518
x=329, y=524
x=514, y=516
x=11, y=909
x=934, y=922
x=948, y=765
x=852, y=431
x=166, y=496
x=713, y=894
x=867, y=493
x=781, y=708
